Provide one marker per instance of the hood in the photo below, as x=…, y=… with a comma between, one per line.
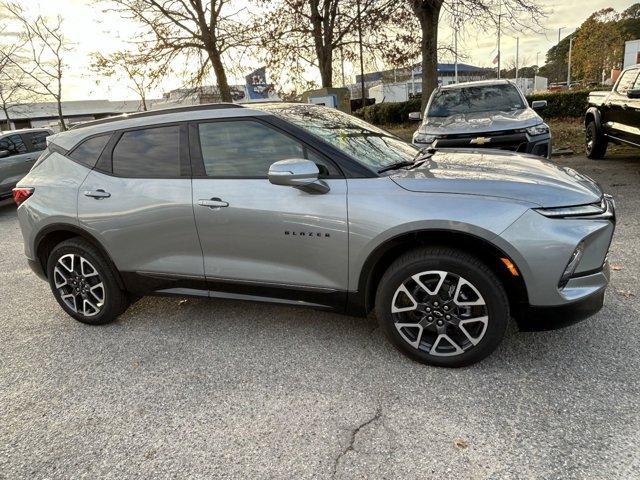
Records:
x=500, y=174
x=480, y=122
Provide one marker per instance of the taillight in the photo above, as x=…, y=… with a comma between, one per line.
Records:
x=20, y=194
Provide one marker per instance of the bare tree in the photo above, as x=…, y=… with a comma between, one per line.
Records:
x=515, y=14
x=39, y=57
x=140, y=72
x=207, y=30
x=317, y=33
x=11, y=82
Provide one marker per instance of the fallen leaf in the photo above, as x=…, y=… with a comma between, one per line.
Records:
x=626, y=293
x=182, y=302
x=616, y=267
x=460, y=443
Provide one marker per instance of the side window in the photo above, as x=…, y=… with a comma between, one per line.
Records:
x=148, y=153
x=88, y=151
x=626, y=81
x=39, y=140
x=13, y=144
x=247, y=148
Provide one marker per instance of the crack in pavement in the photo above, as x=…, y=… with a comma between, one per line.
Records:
x=352, y=439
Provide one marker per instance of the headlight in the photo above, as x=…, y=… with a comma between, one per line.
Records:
x=538, y=129
x=423, y=138
x=571, y=266
x=592, y=209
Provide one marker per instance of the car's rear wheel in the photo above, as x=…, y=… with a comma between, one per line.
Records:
x=84, y=284
x=595, y=143
x=442, y=306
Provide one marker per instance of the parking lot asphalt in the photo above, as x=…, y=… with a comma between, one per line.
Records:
x=222, y=389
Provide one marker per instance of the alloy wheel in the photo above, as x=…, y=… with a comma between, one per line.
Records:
x=589, y=138
x=79, y=284
x=439, y=313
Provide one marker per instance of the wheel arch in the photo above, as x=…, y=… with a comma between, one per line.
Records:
x=381, y=258
x=593, y=114
x=52, y=235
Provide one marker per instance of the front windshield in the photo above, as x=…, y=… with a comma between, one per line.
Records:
x=485, y=98
x=370, y=145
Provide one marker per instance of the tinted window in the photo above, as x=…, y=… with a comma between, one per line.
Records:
x=89, y=151
x=14, y=144
x=39, y=140
x=487, y=98
x=247, y=148
x=626, y=81
x=151, y=153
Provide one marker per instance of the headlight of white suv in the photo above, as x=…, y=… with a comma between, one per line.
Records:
x=423, y=138
x=538, y=129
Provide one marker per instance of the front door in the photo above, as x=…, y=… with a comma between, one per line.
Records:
x=620, y=114
x=259, y=238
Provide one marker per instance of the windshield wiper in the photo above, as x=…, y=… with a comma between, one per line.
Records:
x=397, y=165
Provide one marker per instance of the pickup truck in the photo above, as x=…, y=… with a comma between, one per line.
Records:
x=614, y=116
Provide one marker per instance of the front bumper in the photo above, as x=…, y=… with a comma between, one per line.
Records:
x=536, y=318
x=521, y=142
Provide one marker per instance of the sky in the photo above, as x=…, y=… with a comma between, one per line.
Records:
x=90, y=28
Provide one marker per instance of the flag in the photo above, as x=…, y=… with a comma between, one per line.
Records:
x=495, y=60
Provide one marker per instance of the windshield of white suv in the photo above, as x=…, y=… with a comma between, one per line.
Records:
x=370, y=145
x=485, y=98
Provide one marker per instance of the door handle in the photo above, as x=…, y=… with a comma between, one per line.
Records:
x=97, y=194
x=213, y=203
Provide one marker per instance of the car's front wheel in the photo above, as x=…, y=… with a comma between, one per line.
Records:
x=84, y=284
x=442, y=306
x=595, y=144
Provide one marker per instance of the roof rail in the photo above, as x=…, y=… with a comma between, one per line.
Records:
x=162, y=111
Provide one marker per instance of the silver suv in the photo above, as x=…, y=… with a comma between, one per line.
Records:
x=307, y=206
x=483, y=114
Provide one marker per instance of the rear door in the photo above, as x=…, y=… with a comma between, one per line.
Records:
x=16, y=164
x=265, y=239
x=137, y=202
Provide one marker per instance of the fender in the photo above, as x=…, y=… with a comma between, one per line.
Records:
x=597, y=117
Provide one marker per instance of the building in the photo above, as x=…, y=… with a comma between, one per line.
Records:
x=413, y=77
x=631, y=53
x=45, y=114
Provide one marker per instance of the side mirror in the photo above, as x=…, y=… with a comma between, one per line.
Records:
x=4, y=153
x=538, y=104
x=298, y=173
x=415, y=116
x=633, y=94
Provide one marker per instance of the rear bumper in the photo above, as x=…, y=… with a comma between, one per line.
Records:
x=535, y=319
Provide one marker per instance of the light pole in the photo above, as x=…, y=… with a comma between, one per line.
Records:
x=517, y=55
x=499, y=59
x=537, y=62
x=560, y=30
x=361, y=55
x=569, y=63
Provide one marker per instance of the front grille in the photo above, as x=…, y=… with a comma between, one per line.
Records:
x=514, y=140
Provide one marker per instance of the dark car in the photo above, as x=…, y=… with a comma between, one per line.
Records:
x=614, y=116
x=19, y=149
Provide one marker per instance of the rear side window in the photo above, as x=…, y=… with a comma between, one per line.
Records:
x=39, y=140
x=88, y=152
x=148, y=153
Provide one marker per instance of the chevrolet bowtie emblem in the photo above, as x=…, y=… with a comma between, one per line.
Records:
x=480, y=140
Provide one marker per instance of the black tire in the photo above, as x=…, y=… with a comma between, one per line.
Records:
x=114, y=300
x=595, y=143
x=454, y=264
